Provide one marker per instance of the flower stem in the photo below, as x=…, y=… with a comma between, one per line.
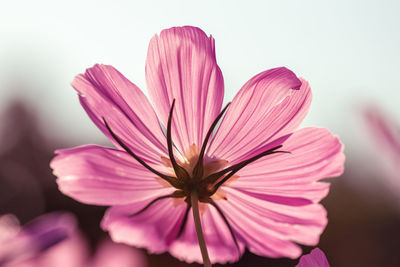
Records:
x=197, y=222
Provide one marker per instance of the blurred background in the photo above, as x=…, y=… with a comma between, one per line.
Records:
x=347, y=50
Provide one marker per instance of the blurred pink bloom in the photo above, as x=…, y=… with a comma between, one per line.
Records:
x=385, y=132
x=256, y=176
x=386, y=136
x=34, y=246
x=74, y=252
x=20, y=244
x=316, y=258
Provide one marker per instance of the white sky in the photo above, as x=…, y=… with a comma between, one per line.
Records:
x=347, y=50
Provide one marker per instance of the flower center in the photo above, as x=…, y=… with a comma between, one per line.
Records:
x=199, y=178
x=191, y=179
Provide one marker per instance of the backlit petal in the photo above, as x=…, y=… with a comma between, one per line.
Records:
x=220, y=245
x=104, y=176
x=106, y=93
x=156, y=230
x=153, y=229
x=314, y=154
x=270, y=105
x=268, y=227
x=181, y=65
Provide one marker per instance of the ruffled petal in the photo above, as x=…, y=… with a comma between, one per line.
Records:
x=316, y=258
x=106, y=93
x=273, y=201
x=153, y=229
x=220, y=244
x=292, y=178
x=104, y=176
x=270, y=105
x=270, y=229
x=181, y=65
x=156, y=230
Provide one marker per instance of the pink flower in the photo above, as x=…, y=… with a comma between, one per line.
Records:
x=316, y=258
x=385, y=132
x=254, y=178
x=21, y=244
x=75, y=252
x=38, y=244
x=386, y=136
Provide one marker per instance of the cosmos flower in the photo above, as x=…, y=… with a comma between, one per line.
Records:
x=75, y=252
x=386, y=136
x=316, y=258
x=21, y=244
x=54, y=240
x=385, y=132
x=244, y=171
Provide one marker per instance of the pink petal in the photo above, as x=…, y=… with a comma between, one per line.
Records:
x=272, y=203
x=106, y=93
x=292, y=178
x=104, y=176
x=36, y=239
x=270, y=105
x=73, y=252
x=181, y=65
x=220, y=245
x=153, y=229
x=316, y=258
x=156, y=230
x=270, y=229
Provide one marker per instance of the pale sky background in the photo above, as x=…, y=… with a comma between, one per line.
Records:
x=347, y=50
